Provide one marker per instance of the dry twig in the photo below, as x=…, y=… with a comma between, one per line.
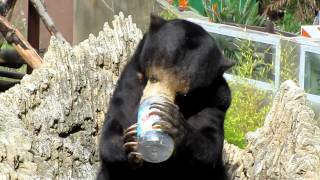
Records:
x=46, y=19
x=14, y=37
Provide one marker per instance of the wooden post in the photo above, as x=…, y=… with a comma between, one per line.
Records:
x=33, y=29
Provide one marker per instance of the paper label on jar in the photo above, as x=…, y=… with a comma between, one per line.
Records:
x=146, y=118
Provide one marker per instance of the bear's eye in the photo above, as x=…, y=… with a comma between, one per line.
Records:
x=153, y=79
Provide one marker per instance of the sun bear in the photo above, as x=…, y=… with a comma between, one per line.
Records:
x=181, y=59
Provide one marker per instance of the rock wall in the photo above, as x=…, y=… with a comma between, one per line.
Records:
x=49, y=124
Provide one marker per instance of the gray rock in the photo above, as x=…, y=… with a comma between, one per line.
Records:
x=49, y=124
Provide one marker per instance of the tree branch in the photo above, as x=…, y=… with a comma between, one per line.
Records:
x=14, y=37
x=6, y=9
x=46, y=19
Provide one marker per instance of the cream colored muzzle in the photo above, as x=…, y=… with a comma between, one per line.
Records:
x=159, y=89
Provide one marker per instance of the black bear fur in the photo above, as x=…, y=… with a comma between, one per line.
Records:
x=192, y=56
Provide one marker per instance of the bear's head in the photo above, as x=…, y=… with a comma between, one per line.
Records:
x=178, y=56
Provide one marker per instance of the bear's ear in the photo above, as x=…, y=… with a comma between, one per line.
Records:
x=226, y=64
x=156, y=22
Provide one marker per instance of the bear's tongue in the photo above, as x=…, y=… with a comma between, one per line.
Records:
x=159, y=89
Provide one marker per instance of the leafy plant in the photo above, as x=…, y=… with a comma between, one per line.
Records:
x=250, y=57
x=288, y=62
x=247, y=112
x=249, y=105
x=232, y=11
x=167, y=15
x=289, y=23
x=249, y=64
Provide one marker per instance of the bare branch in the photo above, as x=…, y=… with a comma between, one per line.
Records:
x=14, y=37
x=6, y=9
x=46, y=19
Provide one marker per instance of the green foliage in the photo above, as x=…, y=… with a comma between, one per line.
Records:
x=167, y=15
x=249, y=63
x=247, y=112
x=288, y=62
x=289, y=23
x=232, y=11
x=250, y=57
x=249, y=105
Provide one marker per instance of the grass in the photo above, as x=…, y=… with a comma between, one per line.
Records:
x=289, y=23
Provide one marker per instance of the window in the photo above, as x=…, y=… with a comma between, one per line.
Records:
x=312, y=73
x=254, y=60
x=261, y=50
